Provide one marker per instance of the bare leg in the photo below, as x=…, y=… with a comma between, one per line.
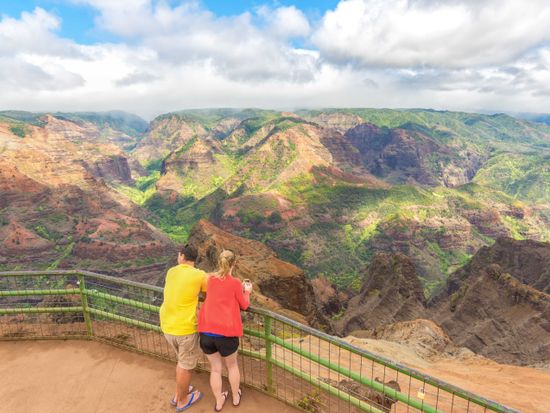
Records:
x=183, y=378
x=234, y=375
x=216, y=377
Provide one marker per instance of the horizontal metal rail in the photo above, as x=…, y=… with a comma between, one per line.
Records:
x=126, y=320
x=87, y=274
x=126, y=301
x=92, y=293
x=38, y=310
x=27, y=293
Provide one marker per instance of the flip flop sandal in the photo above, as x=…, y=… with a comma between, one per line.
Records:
x=224, y=395
x=240, y=397
x=174, y=403
x=193, y=400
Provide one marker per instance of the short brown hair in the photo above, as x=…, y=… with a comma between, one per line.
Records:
x=187, y=253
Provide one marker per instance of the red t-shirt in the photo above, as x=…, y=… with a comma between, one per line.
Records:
x=220, y=313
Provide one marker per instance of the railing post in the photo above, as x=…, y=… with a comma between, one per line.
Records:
x=268, y=353
x=85, y=308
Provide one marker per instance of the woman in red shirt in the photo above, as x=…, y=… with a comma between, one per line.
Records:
x=220, y=326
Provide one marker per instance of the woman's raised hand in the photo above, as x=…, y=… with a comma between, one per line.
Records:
x=247, y=286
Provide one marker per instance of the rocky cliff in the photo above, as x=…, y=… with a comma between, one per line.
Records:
x=392, y=292
x=280, y=285
x=340, y=122
x=167, y=133
x=412, y=155
x=495, y=305
x=488, y=305
x=527, y=261
x=56, y=206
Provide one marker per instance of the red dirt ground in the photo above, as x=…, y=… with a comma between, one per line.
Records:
x=80, y=376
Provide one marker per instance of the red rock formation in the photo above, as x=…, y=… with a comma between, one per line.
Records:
x=392, y=292
x=166, y=134
x=57, y=209
x=340, y=122
x=495, y=315
x=279, y=284
x=409, y=155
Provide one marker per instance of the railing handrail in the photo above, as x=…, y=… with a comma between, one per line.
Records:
x=427, y=379
x=85, y=273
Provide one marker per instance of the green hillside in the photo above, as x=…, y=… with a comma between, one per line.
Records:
x=260, y=180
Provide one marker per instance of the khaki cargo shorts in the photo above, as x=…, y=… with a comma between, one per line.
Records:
x=186, y=348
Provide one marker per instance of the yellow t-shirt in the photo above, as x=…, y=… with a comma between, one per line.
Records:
x=178, y=312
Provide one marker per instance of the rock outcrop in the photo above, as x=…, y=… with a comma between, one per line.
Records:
x=392, y=292
x=279, y=285
x=492, y=307
x=410, y=155
x=56, y=207
x=496, y=305
x=194, y=169
x=528, y=261
x=340, y=122
x=166, y=134
x=112, y=168
x=425, y=337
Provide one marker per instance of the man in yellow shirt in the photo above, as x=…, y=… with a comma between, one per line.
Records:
x=178, y=322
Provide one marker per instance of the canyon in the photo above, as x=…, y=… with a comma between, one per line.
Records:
x=351, y=220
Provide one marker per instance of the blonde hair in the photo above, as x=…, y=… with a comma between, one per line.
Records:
x=226, y=261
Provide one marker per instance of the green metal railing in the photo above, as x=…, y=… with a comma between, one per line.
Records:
x=288, y=360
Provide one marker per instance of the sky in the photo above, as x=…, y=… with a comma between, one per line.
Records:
x=155, y=56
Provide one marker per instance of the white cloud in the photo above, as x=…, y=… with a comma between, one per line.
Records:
x=285, y=22
x=234, y=46
x=455, y=34
x=135, y=18
x=135, y=78
x=418, y=53
x=34, y=35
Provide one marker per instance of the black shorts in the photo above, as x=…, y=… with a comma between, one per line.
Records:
x=223, y=345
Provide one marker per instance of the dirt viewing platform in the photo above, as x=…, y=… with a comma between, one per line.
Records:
x=90, y=377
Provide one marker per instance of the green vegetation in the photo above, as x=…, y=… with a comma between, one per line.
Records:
x=516, y=227
x=473, y=127
x=57, y=218
x=525, y=177
x=46, y=232
x=275, y=218
x=250, y=217
x=336, y=226
x=166, y=215
x=145, y=182
x=361, y=220
x=125, y=122
x=188, y=145
x=154, y=166
x=208, y=118
x=65, y=253
x=136, y=195
x=18, y=130
x=143, y=189
x=22, y=117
